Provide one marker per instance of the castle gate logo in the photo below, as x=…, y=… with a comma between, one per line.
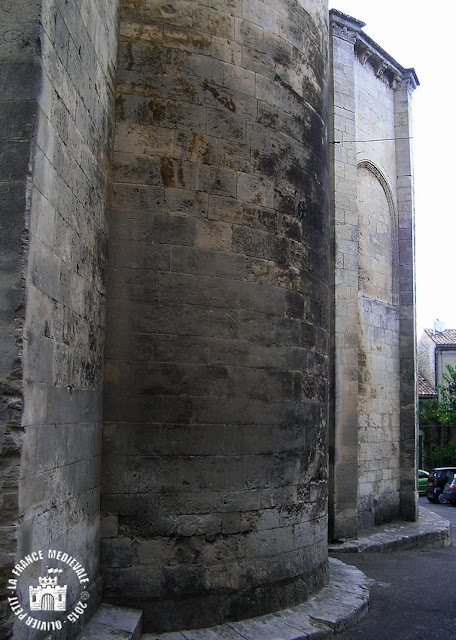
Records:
x=48, y=596
x=41, y=601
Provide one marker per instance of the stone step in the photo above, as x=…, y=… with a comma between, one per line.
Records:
x=339, y=605
x=113, y=623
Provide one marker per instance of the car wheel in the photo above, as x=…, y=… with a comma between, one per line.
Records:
x=433, y=500
x=441, y=498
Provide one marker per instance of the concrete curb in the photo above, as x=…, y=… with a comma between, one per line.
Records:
x=337, y=606
x=431, y=531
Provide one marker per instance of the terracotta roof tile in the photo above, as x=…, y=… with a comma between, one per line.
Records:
x=424, y=387
x=447, y=337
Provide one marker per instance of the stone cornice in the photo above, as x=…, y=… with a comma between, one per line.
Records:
x=344, y=26
x=369, y=52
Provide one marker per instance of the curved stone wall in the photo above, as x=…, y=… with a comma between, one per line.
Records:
x=215, y=452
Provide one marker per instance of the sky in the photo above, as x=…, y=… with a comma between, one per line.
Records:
x=422, y=35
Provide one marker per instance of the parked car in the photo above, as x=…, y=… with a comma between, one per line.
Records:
x=449, y=491
x=438, y=478
x=422, y=481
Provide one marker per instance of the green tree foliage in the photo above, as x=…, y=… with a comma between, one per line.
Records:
x=444, y=455
x=443, y=411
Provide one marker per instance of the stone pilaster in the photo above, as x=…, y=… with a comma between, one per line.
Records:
x=407, y=339
x=20, y=81
x=343, y=503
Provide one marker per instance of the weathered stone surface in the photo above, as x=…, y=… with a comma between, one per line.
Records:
x=373, y=473
x=215, y=396
x=19, y=76
x=215, y=362
x=113, y=623
x=56, y=67
x=340, y=604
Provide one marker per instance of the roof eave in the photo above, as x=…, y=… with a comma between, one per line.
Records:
x=350, y=28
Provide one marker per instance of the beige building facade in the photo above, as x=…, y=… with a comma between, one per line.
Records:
x=373, y=417
x=436, y=350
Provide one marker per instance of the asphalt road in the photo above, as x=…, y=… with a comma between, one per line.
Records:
x=413, y=593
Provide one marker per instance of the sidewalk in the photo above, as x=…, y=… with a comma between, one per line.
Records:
x=431, y=531
x=338, y=606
